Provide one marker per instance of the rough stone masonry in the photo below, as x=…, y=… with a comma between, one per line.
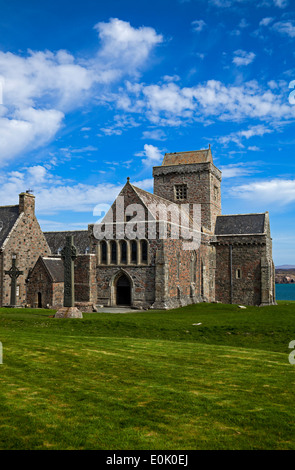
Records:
x=232, y=262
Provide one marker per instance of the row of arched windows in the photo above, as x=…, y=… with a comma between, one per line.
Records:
x=123, y=252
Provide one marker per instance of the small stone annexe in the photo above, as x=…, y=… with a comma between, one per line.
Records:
x=232, y=262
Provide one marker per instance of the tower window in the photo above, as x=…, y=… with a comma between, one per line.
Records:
x=239, y=273
x=180, y=191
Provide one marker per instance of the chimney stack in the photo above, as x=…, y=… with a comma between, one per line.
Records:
x=27, y=203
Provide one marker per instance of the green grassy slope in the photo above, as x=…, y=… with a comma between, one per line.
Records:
x=148, y=380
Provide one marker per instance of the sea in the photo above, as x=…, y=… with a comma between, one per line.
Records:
x=285, y=291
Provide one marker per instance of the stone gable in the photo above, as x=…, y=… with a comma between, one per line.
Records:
x=133, y=257
x=27, y=241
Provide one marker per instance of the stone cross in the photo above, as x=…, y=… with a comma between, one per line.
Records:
x=69, y=254
x=13, y=273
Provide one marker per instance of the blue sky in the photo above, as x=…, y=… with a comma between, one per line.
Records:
x=93, y=92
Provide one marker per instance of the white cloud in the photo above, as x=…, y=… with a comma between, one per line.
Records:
x=265, y=21
x=254, y=148
x=281, y=3
x=48, y=225
x=168, y=104
x=223, y=3
x=171, y=78
x=42, y=77
x=152, y=155
x=40, y=87
x=37, y=173
x=240, y=102
x=243, y=23
x=29, y=129
x=155, y=134
x=237, y=137
x=170, y=98
x=75, y=198
x=198, y=25
x=54, y=194
x=124, y=48
x=262, y=3
x=119, y=124
x=285, y=28
x=200, y=55
x=276, y=191
x=146, y=184
x=235, y=170
x=243, y=57
x=110, y=131
x=272, y=84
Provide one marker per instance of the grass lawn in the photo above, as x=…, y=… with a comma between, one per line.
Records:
x=148, y=380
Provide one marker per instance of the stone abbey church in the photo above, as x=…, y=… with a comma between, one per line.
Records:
x=231, y=263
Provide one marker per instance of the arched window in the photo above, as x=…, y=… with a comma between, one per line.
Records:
x=144, y=251
x=134, y=251
x=123, y=245
x=103, y=252
x=113, y=252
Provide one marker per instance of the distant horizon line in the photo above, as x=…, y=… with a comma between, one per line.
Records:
x=285, y=266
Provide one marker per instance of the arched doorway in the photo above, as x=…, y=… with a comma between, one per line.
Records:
x=123, y=291
x=39, y=300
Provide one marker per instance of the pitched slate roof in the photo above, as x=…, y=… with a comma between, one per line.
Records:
x=185, y=158
x=55, y=268
x=8, y=217
x=57, y=240
x=241, y=224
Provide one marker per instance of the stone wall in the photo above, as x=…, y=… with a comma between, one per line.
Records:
x=40, y=282
x=177, y=275
x=27, y=241
x=85, y=284
x=142, y=279
x=53, y=292
x=203, y=187
x=238, y=269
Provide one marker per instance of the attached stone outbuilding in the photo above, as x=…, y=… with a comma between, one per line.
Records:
x=45, y=283
x=22, y=238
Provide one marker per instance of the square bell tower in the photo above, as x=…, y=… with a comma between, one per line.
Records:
x=191, y=178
